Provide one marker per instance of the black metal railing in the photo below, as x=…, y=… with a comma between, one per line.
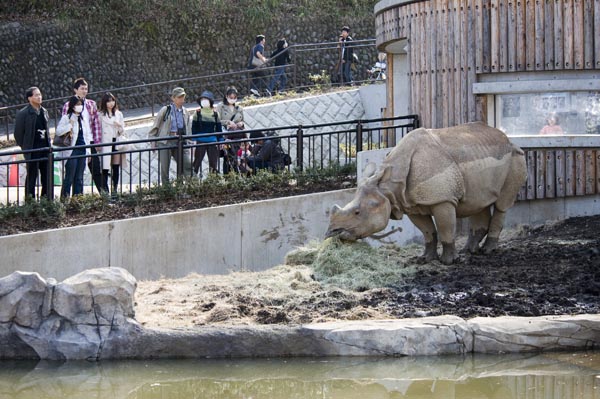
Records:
x=313, y=64
x=310, y=146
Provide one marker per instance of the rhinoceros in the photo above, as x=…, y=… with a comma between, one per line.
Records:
x=470, y=170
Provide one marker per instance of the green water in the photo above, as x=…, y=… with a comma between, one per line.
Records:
x=548, y=376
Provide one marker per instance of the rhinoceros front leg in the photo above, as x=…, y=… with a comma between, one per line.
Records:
x=425, y=224
x=445, y=219
x=478, y=228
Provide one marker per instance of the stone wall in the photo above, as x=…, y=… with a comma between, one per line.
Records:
x=52, y=53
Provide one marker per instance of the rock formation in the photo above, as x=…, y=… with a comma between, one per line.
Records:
x=73, y=319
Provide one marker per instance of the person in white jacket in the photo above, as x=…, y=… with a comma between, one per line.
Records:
x=113, y=131
x=73, y=123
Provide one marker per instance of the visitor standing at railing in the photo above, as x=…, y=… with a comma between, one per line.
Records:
x=171, y=121
x=90, y=117
x=113, y=130
x=31, y=131
x=231, y=115
x=282, y=58
x=346, y=55
x=206, y=121
x=74, y=122
x=256, y=61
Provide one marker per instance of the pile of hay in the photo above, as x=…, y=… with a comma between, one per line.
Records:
x=356, y=266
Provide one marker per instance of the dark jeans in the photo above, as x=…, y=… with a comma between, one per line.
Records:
x=96, y=171
x=347, y=72
x=278, y=78
x=258, y=79
x=213, y=157
x=32, y=174
x=74, y=169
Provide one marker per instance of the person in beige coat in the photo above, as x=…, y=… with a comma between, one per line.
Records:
x=172, y=120
x=113, y=131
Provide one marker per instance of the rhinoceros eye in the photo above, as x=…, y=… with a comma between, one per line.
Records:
x=357, y=211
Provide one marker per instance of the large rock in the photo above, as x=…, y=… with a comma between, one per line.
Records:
x=535, y=334
x=21, y=298
x=74, y=319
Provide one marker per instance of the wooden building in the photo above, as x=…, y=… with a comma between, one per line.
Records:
x=515, y=64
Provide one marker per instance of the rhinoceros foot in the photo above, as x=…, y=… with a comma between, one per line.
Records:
x=449, y=254
x=475, y=237
x=490, y=245
x=430, y=253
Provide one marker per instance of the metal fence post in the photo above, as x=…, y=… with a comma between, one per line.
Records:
x=179, y=154
x=50, y=175
x=359, y=136
x=300, y=148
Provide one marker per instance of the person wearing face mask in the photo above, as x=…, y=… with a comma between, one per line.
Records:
x=92, y=119
x=206, y=122
x=231, y=115
x=74, y=122
x=113, y=130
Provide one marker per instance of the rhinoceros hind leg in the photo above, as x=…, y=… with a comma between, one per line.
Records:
x=449, y=254
x=478, y=228
x=425, y=224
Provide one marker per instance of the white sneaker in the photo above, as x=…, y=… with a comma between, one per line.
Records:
x=255, y=92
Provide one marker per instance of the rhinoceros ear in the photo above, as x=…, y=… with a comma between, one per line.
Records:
x=369, y=170
x=381, y=174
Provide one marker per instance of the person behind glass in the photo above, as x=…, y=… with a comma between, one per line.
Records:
x=258, y=75
x=231, y=116
x=74, y=122
x=90, y=117
x=172, y=120
x=266, y=153
x=206, y=121
x=31, y=132
x=113, y=128
x=346, y=55
x=282, y=58
x=552, y=126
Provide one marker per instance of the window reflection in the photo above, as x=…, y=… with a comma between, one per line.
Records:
x=549, y=113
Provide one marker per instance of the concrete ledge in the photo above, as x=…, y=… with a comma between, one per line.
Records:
x=443, y=335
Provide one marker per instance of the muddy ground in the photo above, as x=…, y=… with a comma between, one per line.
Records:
x=550, y=270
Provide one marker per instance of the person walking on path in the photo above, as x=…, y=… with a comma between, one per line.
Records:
x=256, y=61
x=282, y=58
x=172, y=120
x=31, y=132
x=90, y=116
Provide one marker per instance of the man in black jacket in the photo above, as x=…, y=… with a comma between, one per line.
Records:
x=31, y=132
x=347, y=55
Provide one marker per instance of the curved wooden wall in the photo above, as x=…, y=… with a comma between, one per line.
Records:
x=451, y=41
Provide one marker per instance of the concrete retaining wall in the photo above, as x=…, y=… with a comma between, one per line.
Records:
x=251, y=236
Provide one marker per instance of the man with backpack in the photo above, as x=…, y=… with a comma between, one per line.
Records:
x=171, y=121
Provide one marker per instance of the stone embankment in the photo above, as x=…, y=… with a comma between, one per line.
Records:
x=91, y=316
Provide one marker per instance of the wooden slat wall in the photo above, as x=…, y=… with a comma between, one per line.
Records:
x=450, y=41
x=555, y=173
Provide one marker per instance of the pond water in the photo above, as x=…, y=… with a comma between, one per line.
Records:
x=546, y=376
